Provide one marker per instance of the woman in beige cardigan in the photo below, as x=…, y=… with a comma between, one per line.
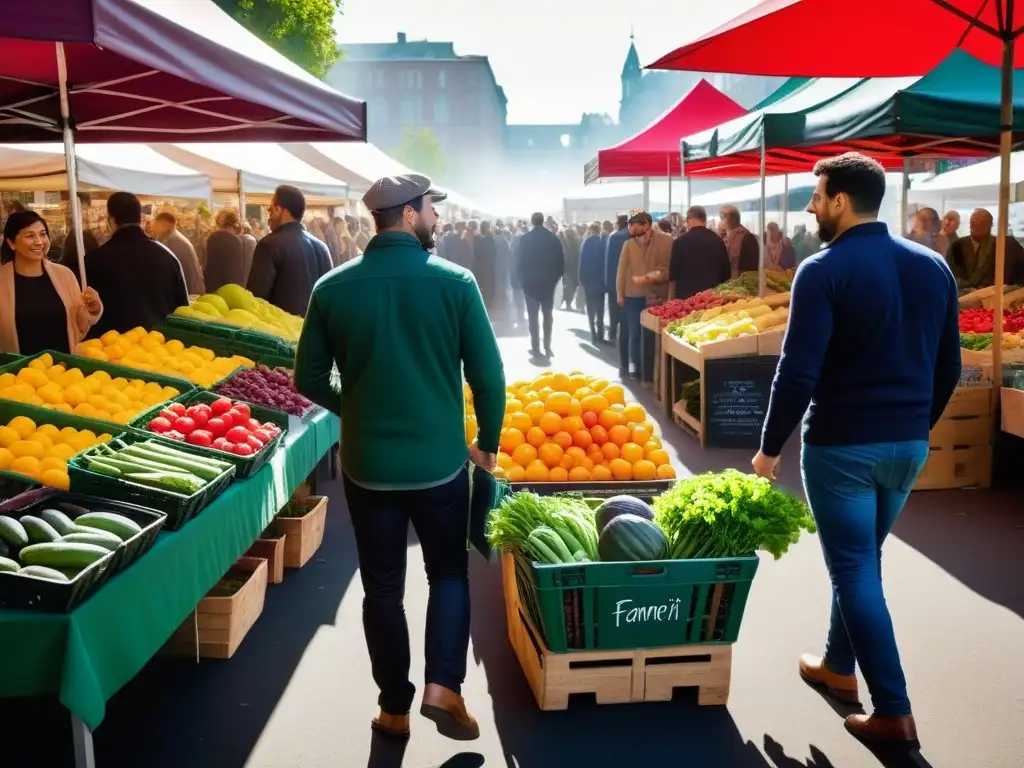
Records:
x=41, y=304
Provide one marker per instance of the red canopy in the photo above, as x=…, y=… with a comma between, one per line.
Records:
x=874, y=38
x=654, y=152
x=159, y=71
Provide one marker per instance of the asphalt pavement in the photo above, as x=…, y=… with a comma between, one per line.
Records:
x=298, y=694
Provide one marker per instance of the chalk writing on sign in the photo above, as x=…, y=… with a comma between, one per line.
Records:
x=625, y=613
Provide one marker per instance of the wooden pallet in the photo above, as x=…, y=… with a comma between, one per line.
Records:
x=613, y=677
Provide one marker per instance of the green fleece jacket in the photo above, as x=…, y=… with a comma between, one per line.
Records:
x=401, y=325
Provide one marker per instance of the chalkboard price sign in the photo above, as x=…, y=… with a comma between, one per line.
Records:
x=736, y=393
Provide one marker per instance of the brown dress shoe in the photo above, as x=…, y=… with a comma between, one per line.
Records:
x=884, y=731
x=448, y=711
x=839, y=687
x=392, y=726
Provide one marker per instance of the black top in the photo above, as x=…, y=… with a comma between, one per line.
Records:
x=139, y=280
x=539, y=262
x=700, y=261
x=285, y=267
x=225, y=260
x=39, y=315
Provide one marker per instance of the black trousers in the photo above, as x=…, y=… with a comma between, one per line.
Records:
x=616, y=318
x=595, y=309
x=380, y=520
x=534, y=307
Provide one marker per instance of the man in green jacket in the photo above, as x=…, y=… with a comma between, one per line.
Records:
x=403, y=326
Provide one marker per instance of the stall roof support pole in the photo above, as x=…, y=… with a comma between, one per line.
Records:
x=71, y=167
x=645, y=195
x=1005, y=147
x=785, y=203
x=905, y=200
x=241, y=197
x=762, y=224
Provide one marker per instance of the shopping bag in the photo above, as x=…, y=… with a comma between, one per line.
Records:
x=485, y=493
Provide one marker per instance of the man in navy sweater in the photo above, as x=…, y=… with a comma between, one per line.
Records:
x=873, y=348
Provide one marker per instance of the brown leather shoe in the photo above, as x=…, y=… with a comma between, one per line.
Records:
x=448, y=711
x=840, y=687
x=884, y=731
x=392, y=726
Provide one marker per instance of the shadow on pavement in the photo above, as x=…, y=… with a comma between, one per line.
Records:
x=976, y=536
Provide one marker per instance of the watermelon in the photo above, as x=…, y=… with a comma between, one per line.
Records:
x=631, y=537
x=621, y=505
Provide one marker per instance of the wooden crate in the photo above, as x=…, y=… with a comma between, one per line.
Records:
x=770, y=342
x=961, y=443
x=614, y=677
x=960, y=467
x=271, y=550
x=221, y=622
x=650, y=322
x=305, y=534
x=1012, y=411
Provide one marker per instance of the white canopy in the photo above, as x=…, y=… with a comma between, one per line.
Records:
x=134, y=168
x=976, y=183
x=751, y=193
x=263, y=166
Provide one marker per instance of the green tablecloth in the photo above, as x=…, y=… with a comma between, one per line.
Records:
x=84, y=657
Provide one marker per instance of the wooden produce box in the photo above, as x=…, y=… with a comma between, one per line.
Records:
x=961, y=443
x=650, y=322
x=1012, y=411
x=272, y=550
x=612, y=677
x=305, y=534
x=225, y=616
x=770, y=342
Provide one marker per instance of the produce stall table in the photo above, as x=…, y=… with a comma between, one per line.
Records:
x=83, y=658
x=652, y=324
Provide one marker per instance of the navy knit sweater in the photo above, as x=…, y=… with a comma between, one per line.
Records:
x=873, y=344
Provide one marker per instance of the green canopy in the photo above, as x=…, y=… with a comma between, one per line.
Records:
x=953, y=111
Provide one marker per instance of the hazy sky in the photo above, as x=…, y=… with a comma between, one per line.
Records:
x=555, y=58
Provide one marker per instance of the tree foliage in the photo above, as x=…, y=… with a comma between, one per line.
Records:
x=422, y=152
x=302, y=30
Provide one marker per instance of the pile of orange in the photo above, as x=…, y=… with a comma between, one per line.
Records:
x=574, y=428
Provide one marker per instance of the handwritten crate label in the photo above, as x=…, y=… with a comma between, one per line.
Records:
x=736, y=394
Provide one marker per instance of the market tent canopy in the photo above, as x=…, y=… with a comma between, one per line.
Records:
x=154, y=70
x=750, y=193
x=953, y=111
x=358, y=165
x=261, y=167
x=977, y=183
x=134, y=168
x=610, y=199
x=654, y=152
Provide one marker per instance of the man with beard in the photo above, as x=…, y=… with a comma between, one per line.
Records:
x=288, y=261
x=873, y=348
x=399, y=320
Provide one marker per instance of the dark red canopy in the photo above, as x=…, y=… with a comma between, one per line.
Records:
x=654, y=152
x=872, y=38
x=159, y=71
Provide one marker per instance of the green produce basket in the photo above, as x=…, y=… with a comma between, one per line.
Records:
x=224, y=346
x=12, y=485
x=10, y=408
x=621, y=606
x=6, y=358
x=254, y=339
x=87, y=365
x=245, y=466
x=603, y=489
x=178, y=507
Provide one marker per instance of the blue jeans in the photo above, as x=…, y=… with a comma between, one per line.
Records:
x=380, y=520
x=630, y=333
x=856, y=493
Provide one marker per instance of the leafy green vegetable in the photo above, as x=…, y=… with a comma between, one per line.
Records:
x=550, y=529
x=976, y=341
x=729, y=514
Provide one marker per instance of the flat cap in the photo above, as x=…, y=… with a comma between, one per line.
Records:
x=392, y=191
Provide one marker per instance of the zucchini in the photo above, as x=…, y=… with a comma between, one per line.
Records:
x=73, y=510
x=95, y=465
x=39, y=531
x=8, y=566
x=5, y=548
x=172, y=482
x=42, y=572
x=13, y=532
x=60, y=522
x=157, y=460
x=62, y=554
x=119, y=525
x=167, y=450
x=96, y=536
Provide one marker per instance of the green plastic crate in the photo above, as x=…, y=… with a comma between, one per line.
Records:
x=87, y=365
x=226, y=347
x=622, y=606
x=266, y=342
x=6, y=358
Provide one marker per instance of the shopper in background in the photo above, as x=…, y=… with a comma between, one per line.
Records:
x=973, y=258
x=699, y=258
x=950, y=227
x=288, y=261
x=571, y=279
x=140, y=279
x=642, y=281
x=41, y=304
x=225, y=253
x=744, y=250
x=347, y=249
x=618, y=238
x=873, y=349
x=405, y=458
x=539, y=265
x=249, y=241
x=503, y=266
x=457, y=248
x=592, y=280
x=665, y=225
x=165, y=230
x=485, y=257
x=778, y=249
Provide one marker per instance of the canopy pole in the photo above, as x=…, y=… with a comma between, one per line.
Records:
x=905, y=199
x=762, y=224
x=668, y=173
x=1005, y=146
x=645, y=194
x=241, y=198
x=70, y=165
x=785, y=203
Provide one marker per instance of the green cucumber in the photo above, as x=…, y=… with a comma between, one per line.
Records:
x=60, y=522
x=8, y=566
x=119, y=525
x=172, y=482
x=62, y=554
x=39, y=531
x=101, y=467
x=5, y=548
x=70, y=573
x=72, y=510
x=157, y=460
x=13, y=532
x=42, y=572
x=96, y=536
x=167, y=450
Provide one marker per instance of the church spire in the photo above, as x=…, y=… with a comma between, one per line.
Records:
x=631, y=69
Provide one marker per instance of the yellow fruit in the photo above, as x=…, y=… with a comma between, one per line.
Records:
x=51, y=393
x=63, y=408
x=114, y=352
x=75, y=394
x=595, y=404
x=28, y=448
x=7, y=380
x=519, y=420
x=504, y=460
x=635, y=413
x=51, y=462
x=119, y=383
x=615, y=394
x=551, y=423
x=600, y=473
x=33, y=376
x=558, y=475
x=68, y=432
x=106, y=437
x=537, y=472
x=560, y=383
x=511, y=439
x=56, y=478
x=599, y=385
x=25, y=465
x=94, y=354
x=644, y=470
x=579, y=475
x=6, y=457
x=621, y=469
x=665, y=472
x=551, y=454
x=659, y=456
x=535, y=410
x=110, y=337
x=8, y=436
x=515, y=474
x=23, y=425
x=174, y=346
x=559, y=402
x=87, y=435
x=62, y=451
x=87, y=410
x=54, y=373
x=631, y=452
x=42, y=438
x=524, y=454
x=513, y=406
